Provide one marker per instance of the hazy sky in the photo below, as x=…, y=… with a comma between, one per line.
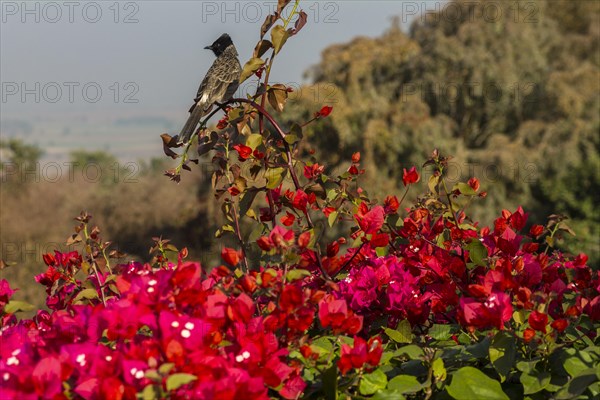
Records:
x=56, y=57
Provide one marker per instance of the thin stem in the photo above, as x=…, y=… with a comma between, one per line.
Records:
x=272, y=208
x=234, y=214
x=93, y=265
x=106, y=259
x=268, y=74
x=404, y=195
x=347, y=263
x=287, y=21
x=290, y=162
x=239, y=236
x=454, y=217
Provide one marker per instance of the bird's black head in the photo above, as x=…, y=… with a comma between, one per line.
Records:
x=219, y=46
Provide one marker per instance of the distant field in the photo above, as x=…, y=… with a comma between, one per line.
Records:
x=127, y=138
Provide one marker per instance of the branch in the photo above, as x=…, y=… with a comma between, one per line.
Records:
x=261, y=110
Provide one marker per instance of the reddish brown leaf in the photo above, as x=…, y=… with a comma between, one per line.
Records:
x=281, y=5
x=269, y=21
x=300, y=22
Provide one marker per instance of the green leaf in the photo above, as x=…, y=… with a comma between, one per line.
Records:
x=152, y=374
x=534, y=381
x=332, y=218
x=370, y=383
x=291, y=139
x=254, y=140
x=403, y=334
x=439, y=370
x=520, y=317
x=277, y=96
x=251, y=66
x=322, y=345
x=526, y=366
x=469, y=383
x=151, y=392
x=575, y=365
x=388, y=395
x=14, y=306
x=465, y=189
x=296, y=129
x=479, y=350
x=440, y=332
x=477, y=251
x=224, y=228
x=247, y=200
x=166, y=368
x=412, y=351
x=274, y=177
x=175, y=381
x=331, y=194
x=577, y=385
x=405, y=384
x=278, y=37
x=295, y=274
x=503, y=353
x=330, y=381
x=256, y=233
x=434, y=180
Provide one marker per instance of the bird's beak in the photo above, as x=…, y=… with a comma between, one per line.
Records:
x=208, y=48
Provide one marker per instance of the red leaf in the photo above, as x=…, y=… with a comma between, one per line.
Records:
x=474, y=183
x=391, y=204
x=528, y=334
x=333, y=249
x=230, y=256
x=304, y=239
x=536, y=230
x=325, y=111
x=560, y=324
x=410, y=176
x=372, y=221
x=538, y=321
x=379, y=240
x=288, y=219
x=244, y=151
x=328, y=210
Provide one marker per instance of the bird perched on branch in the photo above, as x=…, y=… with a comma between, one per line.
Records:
x=219, y=84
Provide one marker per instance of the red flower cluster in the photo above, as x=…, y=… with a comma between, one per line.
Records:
x=181, y=333
x=165, y=324
x=361, y=354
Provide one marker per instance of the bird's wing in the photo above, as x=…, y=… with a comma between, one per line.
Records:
x=217, y=85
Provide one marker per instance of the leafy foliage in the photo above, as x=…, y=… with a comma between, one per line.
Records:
x=513, y=96
x=414, y=300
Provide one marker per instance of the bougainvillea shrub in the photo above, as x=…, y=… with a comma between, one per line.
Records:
x=411, y=301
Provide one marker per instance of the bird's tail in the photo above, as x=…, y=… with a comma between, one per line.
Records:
x=188, y=129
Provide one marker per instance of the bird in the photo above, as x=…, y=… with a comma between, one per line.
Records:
x=218, y=86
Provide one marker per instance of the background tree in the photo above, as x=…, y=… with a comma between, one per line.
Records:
x=511, y=89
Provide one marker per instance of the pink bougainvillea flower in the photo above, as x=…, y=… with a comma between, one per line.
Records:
x=370, y=221
x=313, y=171
x=410, y=176
x=494, y=311
x=359, y=354
x=300, y=200
x=335, y=313
x=5, y=293
x=538, y=321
